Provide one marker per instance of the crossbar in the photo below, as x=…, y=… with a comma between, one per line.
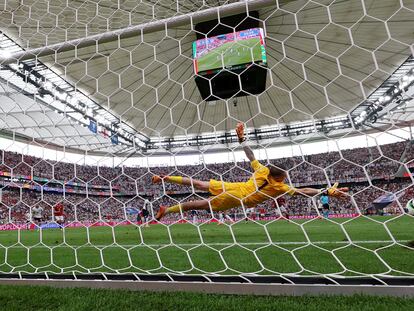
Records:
x=127, y=32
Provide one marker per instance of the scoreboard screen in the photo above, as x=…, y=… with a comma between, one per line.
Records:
x=232, y=51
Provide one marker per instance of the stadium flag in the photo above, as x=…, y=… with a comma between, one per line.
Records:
x=93, y=127
x=385, y=200
x=114, y=139
x=104, y=132
x=410, y=173
x=132, y=211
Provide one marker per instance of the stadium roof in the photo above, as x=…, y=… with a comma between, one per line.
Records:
x=33, y=121
x=325, y=58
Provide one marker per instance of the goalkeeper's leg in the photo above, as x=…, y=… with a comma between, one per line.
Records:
x=182, y=207
x=198, y=184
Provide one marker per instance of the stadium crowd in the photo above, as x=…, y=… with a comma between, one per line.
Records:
x=369, y=172
x=347, y=165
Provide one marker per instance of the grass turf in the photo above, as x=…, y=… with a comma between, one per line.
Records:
x=261, y=248
x=44, y=298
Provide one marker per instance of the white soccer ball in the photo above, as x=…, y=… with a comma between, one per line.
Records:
x=410, y=207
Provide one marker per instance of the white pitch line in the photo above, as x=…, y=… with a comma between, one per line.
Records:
x=268, y=243
x=212, y=244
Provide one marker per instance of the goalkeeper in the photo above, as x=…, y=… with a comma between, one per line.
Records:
x=265, y=183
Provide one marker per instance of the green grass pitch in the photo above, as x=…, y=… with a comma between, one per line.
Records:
x=44, y=298
x=265, y=248
x=234, y=53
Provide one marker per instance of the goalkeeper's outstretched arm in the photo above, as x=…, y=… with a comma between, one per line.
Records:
x=333, y=191
x=242, y=140
x=308, y=191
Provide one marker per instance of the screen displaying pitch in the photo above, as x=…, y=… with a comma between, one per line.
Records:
x=232, y=51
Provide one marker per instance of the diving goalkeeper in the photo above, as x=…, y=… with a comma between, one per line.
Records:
x=266, y=182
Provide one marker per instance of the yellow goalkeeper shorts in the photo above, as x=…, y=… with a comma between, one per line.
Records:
x=225, y=195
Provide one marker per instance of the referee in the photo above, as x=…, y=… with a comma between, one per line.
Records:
x=325, y=205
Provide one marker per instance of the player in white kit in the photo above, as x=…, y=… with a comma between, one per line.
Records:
x=37, y=215
x=223, y=217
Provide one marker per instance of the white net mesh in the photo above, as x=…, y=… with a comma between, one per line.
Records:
x=87, y=123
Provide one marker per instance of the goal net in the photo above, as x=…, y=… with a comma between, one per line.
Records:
x=98, y=97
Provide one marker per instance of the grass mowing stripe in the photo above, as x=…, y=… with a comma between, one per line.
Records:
x=155, y=250
x=65, y=299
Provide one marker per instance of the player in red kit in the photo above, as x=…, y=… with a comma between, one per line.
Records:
x=58, y=212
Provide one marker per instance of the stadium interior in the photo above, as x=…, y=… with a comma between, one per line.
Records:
x=97, y=97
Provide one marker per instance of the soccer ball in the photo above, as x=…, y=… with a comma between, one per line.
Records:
x=410, y=207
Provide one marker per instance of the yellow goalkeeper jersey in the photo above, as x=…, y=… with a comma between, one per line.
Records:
x=261, y=187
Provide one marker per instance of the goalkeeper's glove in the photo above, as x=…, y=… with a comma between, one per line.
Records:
x=240, y=132
x=336, y=192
